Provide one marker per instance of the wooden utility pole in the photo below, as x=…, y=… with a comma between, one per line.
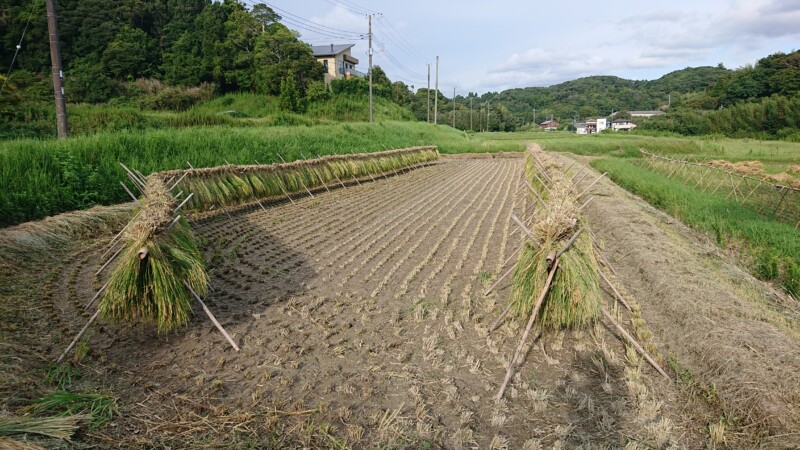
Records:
x=429, y=93
x=454, y=107
x=436, y=96
x=370, y=68
x=534, y=118
x=58, y=74
x=487, y=115
x=471, y=127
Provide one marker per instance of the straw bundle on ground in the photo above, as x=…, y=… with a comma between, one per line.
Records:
x=574, y=297
x=147, y=282
x=233, y=185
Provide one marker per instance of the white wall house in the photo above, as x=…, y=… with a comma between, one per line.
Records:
x=337, y=60
x=622, y=125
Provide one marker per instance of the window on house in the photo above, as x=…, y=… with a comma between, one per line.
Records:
x=325, y=64
x=341, y=67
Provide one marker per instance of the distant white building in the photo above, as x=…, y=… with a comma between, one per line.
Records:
x=591, y=126
x=646, y=113
x=622, y=125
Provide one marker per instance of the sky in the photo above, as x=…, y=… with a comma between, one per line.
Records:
x=496, y=45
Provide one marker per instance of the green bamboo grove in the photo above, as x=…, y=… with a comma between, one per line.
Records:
x=159, y=259
x=234, y=185
x=573, y=300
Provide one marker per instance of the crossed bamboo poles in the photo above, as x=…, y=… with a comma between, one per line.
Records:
x=553, y=261
x=742, y=186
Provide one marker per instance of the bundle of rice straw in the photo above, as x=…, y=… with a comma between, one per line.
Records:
x=574, y=296
x=233, y=185
x=147, y=282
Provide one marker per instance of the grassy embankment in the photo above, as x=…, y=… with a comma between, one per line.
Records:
x=769, y=248
x=37, y=120
x=40, y=178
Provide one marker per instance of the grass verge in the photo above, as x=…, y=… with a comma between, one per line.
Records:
x=770, y=249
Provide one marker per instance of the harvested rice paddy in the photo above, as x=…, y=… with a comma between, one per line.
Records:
x=362, y=321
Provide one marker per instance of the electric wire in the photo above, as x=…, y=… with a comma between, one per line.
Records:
x=16, y=52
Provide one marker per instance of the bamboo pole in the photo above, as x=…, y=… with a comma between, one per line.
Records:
x=179, y=180
x=535, y=192
x=211, y=316
x=539, y=302
x=96, y=296
x=135, y=199
x=78, y=337
x=619, y=296
x=635, y=344
x=184, y=202
x=109, y=260
x=593, y=183
x=500, y=318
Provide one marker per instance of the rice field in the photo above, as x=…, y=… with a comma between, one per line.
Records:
x=362, y=320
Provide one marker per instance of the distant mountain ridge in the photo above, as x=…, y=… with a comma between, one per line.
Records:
x=602, y=94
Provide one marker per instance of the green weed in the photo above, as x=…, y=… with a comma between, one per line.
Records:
x=100, y=407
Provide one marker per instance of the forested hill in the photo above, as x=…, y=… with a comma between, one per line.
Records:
x=599, y=95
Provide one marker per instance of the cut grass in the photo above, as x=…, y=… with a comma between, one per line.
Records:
x=100, y=407
x=232, y=185
x=771, y=249
x=573, y=300
x=54, y=427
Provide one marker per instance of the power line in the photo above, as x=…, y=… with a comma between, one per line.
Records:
x=395, y=36
x=348, y=9
x=314, y=27
x=16, y=52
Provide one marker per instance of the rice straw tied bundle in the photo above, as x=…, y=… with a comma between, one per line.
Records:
x=231, y=184
x=159, y=253
x=574, y=297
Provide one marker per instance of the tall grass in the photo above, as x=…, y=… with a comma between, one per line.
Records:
x=771, y=249
x=40, y=178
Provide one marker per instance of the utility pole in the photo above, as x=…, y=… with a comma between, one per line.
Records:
x=534, y=117
x=471, y=127
x=370, y=68
x=487, y=114
x=429, y=93
x=454, y=107
x=436, y=96
x=58, y=74
x=480, y=118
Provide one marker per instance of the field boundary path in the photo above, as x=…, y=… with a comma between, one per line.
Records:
x=722, y=328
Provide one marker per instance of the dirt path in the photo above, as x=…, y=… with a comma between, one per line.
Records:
x=731, y=340
x=362, y=321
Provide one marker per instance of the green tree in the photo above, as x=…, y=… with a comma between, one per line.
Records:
x=132, y=54
x=289, y=97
